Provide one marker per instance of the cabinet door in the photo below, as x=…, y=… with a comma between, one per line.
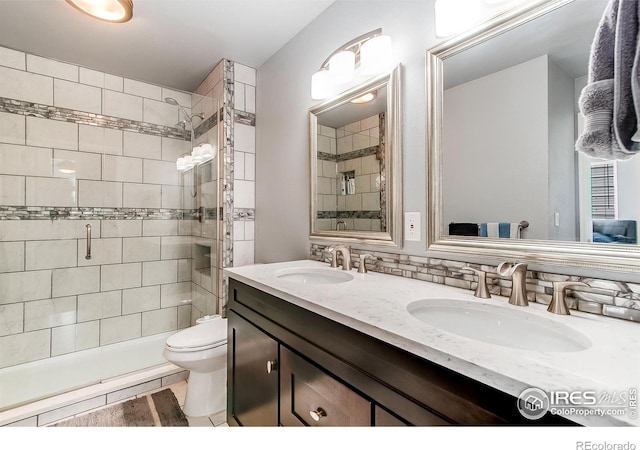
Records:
x=252, y=374
x=311, y=397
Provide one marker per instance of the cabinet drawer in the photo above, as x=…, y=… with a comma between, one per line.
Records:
x=311, y=397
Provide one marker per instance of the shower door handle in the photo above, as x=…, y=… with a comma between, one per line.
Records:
x=88, y=255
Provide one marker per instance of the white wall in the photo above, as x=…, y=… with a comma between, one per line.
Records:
x=497, y=153
x=283, y=101
x=562, y=156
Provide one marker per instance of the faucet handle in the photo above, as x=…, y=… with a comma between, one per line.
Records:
x=361, y=267
x=558, y=303
x=334, y=259
x=482, y=291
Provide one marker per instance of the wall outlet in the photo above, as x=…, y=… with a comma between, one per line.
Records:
x=412, y=226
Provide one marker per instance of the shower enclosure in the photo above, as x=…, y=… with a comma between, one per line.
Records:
x=106, y=248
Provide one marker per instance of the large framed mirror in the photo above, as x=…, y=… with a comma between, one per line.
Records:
x=356, y=164
x=505, y=179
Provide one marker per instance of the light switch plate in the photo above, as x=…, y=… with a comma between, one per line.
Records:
x=412, y=226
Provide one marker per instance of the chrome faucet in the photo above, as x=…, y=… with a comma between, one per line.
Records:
x=341, y=222
x=518, y=274
x=482, y=290
x=332, y=251
x=362, y=268
x=558, y=303
x=346, y=256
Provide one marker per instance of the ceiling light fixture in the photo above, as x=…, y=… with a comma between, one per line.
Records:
x=365, y=56
x=366, y=98
x=117, y=11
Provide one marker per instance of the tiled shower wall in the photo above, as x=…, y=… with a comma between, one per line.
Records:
x=80, y=147
x=233, y=86
x=352, y=148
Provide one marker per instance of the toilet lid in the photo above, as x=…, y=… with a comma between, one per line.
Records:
x=202, y=335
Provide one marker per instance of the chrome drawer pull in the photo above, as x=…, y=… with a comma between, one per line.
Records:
x=272, y=366
x=318, y=414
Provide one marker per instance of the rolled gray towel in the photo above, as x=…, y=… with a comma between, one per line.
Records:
x=625, y=105
x=598, y=138
x=613, y=90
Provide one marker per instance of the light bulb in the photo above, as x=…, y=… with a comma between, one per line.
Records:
x=322, y=85
x=108, y=10
x=375, y=55
x=455, y=16
x=342, y=66
x=207, y=151
x=196, y=154
x=180, y=164
x=188, y=162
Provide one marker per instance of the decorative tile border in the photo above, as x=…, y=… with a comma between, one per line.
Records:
x=604, y=297
x=245, y=118
x=245, y=214
x=206, y=125
x=227, y=153
x=383, y=180
x=369, y=151
x=66, y=213
x=349, y=214
x=228, y=163
x=23, y=108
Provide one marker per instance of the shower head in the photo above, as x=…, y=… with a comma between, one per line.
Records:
x=187, y=117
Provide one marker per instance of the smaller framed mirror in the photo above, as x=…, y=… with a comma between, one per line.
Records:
x=356, y=165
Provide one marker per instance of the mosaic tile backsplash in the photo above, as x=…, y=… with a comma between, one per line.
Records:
x=609, y=298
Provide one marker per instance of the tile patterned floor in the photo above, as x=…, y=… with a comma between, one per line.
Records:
x=179, y=390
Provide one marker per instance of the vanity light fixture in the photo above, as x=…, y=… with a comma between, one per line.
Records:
x=364, y=56
x=455, y=16
x=116, y=11
x=200, y=154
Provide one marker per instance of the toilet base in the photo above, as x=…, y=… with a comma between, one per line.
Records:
x=206, y=393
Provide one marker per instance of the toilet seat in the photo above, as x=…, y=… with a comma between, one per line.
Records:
x=206, y=335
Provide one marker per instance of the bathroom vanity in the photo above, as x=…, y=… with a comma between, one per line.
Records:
x=310, y=345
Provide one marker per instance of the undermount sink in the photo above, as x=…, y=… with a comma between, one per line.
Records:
x=498, y=325
x=307, y=275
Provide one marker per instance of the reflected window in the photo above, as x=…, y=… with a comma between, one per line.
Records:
x=604, y=201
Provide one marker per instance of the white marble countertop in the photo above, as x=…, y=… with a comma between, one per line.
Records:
x=376, y=304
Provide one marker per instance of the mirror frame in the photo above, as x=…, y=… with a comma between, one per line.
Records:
x=393, y=151
x=618, y=258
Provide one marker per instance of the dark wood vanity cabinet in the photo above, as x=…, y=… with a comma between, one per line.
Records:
x=291, y=367
x=252, y=357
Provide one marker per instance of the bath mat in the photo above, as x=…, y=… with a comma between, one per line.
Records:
x=160, y=409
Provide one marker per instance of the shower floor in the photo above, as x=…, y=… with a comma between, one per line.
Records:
x=26, y=383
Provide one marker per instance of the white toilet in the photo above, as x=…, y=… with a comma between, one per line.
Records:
x=202, y=349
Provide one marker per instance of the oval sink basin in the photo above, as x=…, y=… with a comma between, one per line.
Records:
x=499, y=325
x=314, y=276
